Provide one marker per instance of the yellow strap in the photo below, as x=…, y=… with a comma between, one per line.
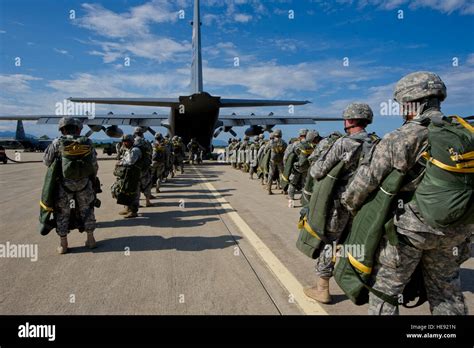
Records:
x=77, y=150
x=308, y=228
x=45, y=207
x=284, y=178
x=360, y=266
x=468, y=164
x=463, y=156
x=465, y=124
x=445, y=166
x=307, y=152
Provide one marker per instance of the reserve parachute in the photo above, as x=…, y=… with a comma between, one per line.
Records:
x=445, y=194
x=76, y=157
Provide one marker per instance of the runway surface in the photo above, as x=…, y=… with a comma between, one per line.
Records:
x=214, y=243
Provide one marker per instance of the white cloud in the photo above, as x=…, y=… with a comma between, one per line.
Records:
x=16, y=83
x=61, y=51
x=242, y=18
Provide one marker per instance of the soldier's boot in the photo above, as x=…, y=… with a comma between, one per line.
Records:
x=157, y=190
x=269, y=188
x=319, y=292
x=125, y=211
x=182, y=169
x=90, y=241
x=131, y=214
x=62, y=248
x=147, y=202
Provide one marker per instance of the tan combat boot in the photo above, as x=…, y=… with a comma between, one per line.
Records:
x=131, y=215
x=62, y=248
x=319, y=292
x=125, y=211
x=148, y=203
x=90, y=241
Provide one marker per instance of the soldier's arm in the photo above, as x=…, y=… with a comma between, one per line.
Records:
x=324, y=165
x=51, y=152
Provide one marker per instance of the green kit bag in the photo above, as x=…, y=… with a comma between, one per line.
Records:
x=445, y=196
x=352, y=272
x=48, y=196
x=76, y=157
x=312, y=223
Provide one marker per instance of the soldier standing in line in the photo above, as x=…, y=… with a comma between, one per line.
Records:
x=420, y=95
x=277, y=148
x=75, y=189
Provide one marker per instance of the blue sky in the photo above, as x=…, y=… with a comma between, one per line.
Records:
x=280, y=57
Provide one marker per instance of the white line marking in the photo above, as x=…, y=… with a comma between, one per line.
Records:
x=286, y=278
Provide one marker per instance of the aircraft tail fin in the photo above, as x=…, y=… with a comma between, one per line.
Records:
x=20, y=131
x=196, y=65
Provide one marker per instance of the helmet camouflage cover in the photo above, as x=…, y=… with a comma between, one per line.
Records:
x=419, y=85
x=69, y=121
x=358, y=111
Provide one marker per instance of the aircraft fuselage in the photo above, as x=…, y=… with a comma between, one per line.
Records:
x=195, y=117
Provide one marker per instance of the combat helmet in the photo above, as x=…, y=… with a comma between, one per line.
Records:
x=246, y=138
x=311, y=136
x=256, y=138
x=69, y=121
x=358, y=111
x=277, y=133
x=128, y=138
x=303, y=132
x=419, y=85
x=158, y=136
x=261, y=136
x=139, y=130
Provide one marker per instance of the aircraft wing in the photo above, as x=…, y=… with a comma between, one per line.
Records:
x=169, y=102
x=242, y=103
x=144, y=120
x=253, y=120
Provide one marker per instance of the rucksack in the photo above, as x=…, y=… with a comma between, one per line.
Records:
x=159, y=153
x=76, y=157
x=445, y=194
x=147, y=150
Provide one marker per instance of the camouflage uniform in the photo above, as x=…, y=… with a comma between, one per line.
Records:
x=145, y=179
x=277, y=147
x=433, y=248
x=293, y=144
x=160, y=159
x=254, y=148
x=244, y=155
x=347, y=149
x=130, y=158
x=178, y=154
x=300, y=168
x=79, y=191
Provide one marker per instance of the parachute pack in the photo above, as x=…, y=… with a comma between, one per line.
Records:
x=445, y=194
x=76, y=157
x=159, y=154
x=147, y=150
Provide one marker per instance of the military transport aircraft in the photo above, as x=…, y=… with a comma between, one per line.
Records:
x=22, y=141
x=196, y=115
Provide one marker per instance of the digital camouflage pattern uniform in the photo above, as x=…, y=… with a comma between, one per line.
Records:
x=440, y=252
x=254, y=148
x=160, y=158
x=79, y=193
x=277, y=147
x=300, y=168
x=145, y=179
x=349, y=150
x=130, y=158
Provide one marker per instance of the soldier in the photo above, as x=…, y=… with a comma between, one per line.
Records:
x=147, y=151
x=170, y=161
x=303, y=149
x=243, y=154
x=74, y=189
x=277, y=148
x=294, y=143
x=133, y=157
x=349, y=149
x=234, y=148
x=254, y=147
x=160, y=159
x=178, y=151
x=420, y=95
x=264, y=149
x=195, y=151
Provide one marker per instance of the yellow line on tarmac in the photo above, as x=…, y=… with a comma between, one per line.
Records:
x=286, y=278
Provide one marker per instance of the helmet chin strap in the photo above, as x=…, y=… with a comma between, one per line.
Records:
x=346, y=129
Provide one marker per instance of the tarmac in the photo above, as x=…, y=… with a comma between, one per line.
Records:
x=213, y=243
